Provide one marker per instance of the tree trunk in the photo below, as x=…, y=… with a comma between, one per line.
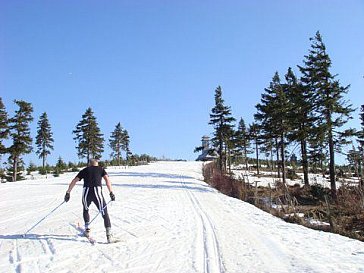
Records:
x=15, y=168
x=88, y=157
x=257, y=154
x=332, y=165
x=227, y=162
x=225, y=159
x=283, y=160
x=43, y=162
x=278, y=165
x=245, y=158
x=118, y=155
x=220, y=156
x=304, y=162
x=362, y=169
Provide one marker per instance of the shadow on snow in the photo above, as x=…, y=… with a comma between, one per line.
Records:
x=37, y=237
x=158, y=175
x=168, y=185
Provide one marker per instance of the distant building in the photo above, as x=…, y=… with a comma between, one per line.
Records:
x=208, y=153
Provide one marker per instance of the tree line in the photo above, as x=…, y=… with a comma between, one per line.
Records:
x=308, y=110
x=87, y=135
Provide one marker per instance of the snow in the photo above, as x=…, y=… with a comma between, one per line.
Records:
x=169, y=220
x=270, y=178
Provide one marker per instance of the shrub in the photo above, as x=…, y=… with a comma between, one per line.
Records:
x=291, y=174
x=42, y=171
x=318, y=191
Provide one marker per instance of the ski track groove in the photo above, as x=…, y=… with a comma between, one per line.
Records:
x=17, y=259
x=212, y=261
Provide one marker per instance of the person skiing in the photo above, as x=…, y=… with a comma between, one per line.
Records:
x=92, y=192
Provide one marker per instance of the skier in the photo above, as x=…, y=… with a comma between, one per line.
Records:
x=92, y=192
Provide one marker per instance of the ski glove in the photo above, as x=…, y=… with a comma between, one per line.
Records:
x=112, y=196
x=67, y=197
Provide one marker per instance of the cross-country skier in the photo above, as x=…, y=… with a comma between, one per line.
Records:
x=92, y=192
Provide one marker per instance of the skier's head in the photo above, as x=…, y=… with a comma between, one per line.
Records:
x=93, y=162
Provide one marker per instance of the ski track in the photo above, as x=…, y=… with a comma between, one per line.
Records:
x=22, y=257
x=169, y=221
x=211, y=261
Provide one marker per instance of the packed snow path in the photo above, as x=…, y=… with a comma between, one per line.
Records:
x=169, y=221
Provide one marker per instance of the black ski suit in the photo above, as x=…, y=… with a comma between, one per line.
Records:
x=92, y=192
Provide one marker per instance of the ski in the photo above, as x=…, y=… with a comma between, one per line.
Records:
x=81, y=233
x=90, y=239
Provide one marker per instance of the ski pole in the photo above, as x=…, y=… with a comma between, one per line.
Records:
x=36, y=224
x=101, y=210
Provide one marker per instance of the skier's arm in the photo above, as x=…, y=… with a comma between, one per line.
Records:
x=108, y=182
x=72, y=184
x=109, y=187
x=70, y=187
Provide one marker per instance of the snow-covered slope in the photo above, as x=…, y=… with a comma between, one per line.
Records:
x=169, y=221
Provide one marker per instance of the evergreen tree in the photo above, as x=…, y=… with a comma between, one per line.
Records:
x=229, y=146
x=354, y=158
x=20, y=136
x=119, y=141
x=301, y=117
x=90, y=141
x=4, y=129
x=273, y=115
x=242, y=141
x=361, y=145
x=361, y=131
x=44, y=139
x=60, y=166
x=269, y=148
x=254, y=134
x=332, y=110
x=126, y=145
x=221, y=120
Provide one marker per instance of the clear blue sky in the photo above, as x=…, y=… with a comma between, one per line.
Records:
x=154, y=65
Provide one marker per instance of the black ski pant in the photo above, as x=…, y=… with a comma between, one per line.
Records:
x=94, y=194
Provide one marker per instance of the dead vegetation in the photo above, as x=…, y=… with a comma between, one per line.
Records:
x=310, y=206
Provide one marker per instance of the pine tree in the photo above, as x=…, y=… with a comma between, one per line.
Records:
x=255, y=135
x=242, y=141
x=126, y=145
x=301, y=117
x=354, y=158
x=20, y=136
x=60, y=166
x=44, y=139
x=221, y=120
x=90, y=141
x=4, y=128
x=269, y=148
x=361, y=131
x=272, y=115
x=119, y=141
x=361, y=145
x=332, y=110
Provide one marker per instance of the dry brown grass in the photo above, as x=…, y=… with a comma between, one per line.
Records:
x=345, y=215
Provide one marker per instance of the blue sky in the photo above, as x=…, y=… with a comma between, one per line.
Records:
x=154, y=65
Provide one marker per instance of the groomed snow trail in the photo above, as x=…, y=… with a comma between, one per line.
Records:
x=169, y=221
